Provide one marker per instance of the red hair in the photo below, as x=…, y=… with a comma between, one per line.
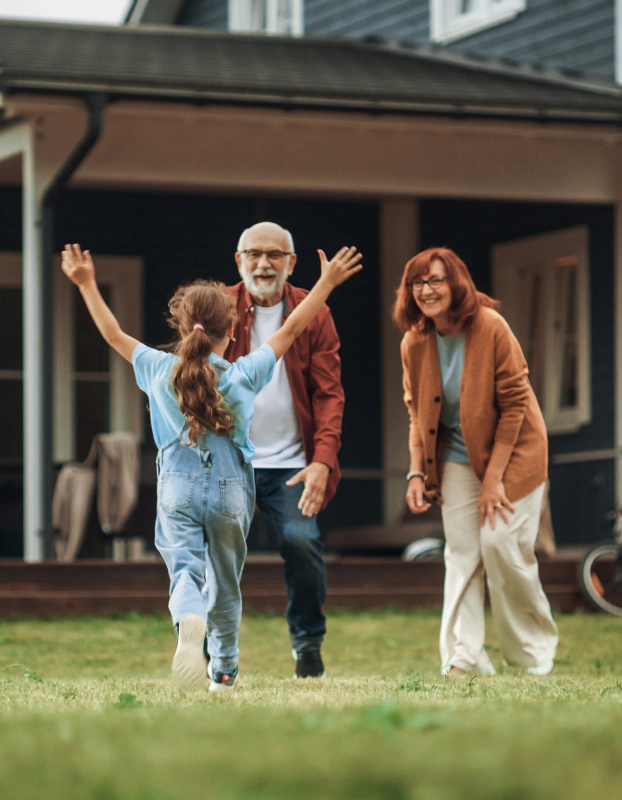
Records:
x=465, y=299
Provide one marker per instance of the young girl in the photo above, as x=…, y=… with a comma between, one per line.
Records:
x=201, y=408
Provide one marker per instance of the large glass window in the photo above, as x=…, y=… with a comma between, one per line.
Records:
x=94, y=389
x=453, y=19
x=279, y=17
x=543, y=284
x=11, y=441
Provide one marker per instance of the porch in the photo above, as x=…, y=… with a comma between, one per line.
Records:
x=423, y=149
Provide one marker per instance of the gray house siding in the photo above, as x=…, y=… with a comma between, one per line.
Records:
x=395, y=19
x=570, y=34
x=204, y=14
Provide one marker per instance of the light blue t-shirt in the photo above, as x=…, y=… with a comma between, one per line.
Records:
x=451, y=359
x=238, y=384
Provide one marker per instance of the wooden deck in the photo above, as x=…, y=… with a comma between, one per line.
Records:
x=105, y=587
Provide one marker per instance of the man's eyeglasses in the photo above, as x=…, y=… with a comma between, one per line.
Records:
x=271, y=255
x=435, y=282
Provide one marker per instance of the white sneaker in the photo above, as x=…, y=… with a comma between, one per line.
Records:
x=541, y=669
x=189, y=662
x=222, y=681
x=483, y=669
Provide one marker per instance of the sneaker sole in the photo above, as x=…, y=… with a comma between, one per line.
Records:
x=310, y=677
x=189, y=663
x=220, y=687
x=541, y=669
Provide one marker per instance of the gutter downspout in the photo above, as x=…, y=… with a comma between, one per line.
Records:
x=96, y=104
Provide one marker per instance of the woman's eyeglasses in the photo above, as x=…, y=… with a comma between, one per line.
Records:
x=435, y=282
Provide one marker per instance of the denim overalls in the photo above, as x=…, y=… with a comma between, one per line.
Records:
x=206, y=500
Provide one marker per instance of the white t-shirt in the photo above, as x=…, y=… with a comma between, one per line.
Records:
x=274, y=429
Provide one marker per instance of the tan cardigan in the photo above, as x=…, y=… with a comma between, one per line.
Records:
x=497, y=403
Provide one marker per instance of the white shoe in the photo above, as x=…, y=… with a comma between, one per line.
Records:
x=189, y=662
x=484, y=670
x=222, y=681
x=541, y=669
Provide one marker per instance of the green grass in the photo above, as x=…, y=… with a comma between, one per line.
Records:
x=87, y=710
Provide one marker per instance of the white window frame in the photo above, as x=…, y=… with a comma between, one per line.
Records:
x=241, y=18
x=542, y=255
x=124, y=275
x=447, y=24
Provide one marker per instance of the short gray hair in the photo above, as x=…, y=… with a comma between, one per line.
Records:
x=288, y=236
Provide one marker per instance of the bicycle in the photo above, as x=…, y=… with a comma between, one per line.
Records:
x=421, y=549
x=600, y=573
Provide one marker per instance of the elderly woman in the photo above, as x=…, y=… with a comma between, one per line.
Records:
x=478, y=447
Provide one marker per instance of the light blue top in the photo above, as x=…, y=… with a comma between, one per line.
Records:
x=451, y=359
x=238, y=384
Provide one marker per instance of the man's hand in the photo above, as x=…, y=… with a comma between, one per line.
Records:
x=315, y=478
x=342, y=265
x=77, y=265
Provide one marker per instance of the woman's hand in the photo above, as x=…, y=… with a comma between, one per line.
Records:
x=77, y=265
x=414, y=496
x=492, y=498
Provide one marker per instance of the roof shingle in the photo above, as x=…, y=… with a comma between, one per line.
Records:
x=204, y=66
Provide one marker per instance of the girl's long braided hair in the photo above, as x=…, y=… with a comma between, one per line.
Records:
x=205, y=303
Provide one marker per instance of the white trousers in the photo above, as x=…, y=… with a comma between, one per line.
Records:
x=521, y=612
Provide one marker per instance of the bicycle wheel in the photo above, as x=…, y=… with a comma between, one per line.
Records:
x=424, y=548
x=601, y=577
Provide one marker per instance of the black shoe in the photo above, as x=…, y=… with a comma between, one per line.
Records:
x=309, y=665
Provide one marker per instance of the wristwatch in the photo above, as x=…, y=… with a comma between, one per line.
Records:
x=415, y=474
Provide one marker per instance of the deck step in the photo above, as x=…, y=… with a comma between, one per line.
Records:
x=104, y=587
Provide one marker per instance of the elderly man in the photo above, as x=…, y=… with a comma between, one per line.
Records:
x=296, y=428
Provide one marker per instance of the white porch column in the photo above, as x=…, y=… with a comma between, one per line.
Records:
x=35, y=458
x=399, y=234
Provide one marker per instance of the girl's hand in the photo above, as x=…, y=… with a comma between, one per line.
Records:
x=492, y=498
x=342, y=266
x=77, y=265
x=414, y=496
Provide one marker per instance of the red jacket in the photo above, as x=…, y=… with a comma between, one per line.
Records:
x=314, y=371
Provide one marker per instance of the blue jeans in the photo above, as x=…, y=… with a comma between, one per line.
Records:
x=301, y=547
x=206, y=499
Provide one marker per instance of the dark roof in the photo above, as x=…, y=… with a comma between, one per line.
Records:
x=203, y=66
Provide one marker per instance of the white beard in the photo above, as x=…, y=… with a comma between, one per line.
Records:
x=263, y=290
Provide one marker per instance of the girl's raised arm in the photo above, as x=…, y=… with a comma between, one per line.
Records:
x=334, y=272
x=79, y=268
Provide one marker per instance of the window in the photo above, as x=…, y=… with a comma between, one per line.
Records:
x=279, y=17
x=94, y=389
x=543, y=284
x=453, y=19
x=11, y=441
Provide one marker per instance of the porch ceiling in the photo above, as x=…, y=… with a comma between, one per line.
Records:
x=209, y=67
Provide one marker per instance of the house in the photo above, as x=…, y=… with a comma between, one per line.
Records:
x=571, y=35
x=155, y=145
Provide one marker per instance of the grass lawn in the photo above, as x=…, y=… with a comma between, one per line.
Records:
x=87, y=710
